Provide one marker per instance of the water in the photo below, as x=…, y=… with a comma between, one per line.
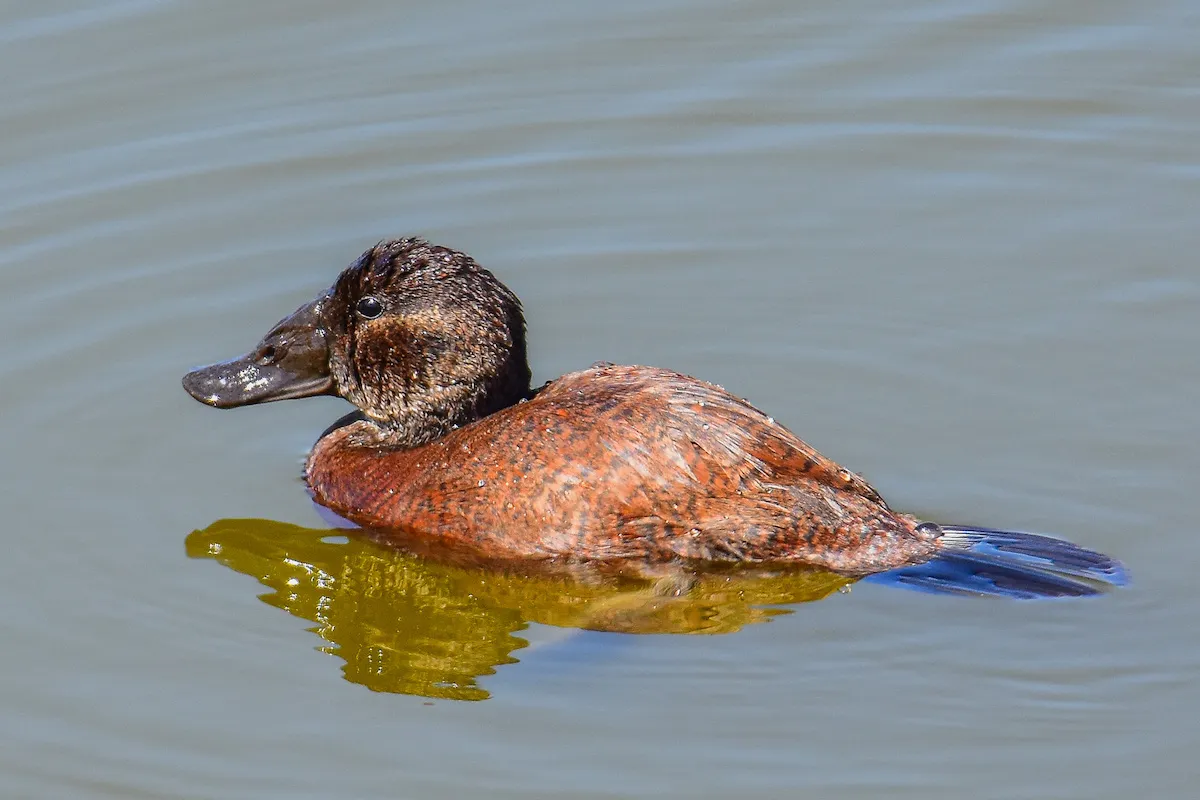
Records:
x=950, y=243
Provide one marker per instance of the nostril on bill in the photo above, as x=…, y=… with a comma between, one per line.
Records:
x=267, y=355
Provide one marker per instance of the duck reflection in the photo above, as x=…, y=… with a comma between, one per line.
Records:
x=410, y=624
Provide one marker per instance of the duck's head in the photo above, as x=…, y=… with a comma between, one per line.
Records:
x=419, y=337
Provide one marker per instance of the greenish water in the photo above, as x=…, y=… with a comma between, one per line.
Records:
x=951, y=244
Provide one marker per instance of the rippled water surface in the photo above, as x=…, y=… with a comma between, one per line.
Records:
x=952, y=244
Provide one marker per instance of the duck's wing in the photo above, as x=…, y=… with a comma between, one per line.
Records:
x=718, y=480
x=746, y=440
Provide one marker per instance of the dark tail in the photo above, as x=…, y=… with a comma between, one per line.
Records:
x=983, y=561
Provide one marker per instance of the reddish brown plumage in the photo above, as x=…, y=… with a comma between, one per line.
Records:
x=619, y=462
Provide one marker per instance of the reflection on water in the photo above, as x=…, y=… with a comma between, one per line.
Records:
x=411, y=625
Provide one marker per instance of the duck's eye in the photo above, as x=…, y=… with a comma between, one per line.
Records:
x=369, y=307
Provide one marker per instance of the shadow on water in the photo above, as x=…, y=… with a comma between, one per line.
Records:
x=412, y=625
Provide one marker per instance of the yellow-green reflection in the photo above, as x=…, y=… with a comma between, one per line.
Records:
x=407, y=624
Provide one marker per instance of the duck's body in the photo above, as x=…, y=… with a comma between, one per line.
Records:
x=619, y=462
x=611, y=463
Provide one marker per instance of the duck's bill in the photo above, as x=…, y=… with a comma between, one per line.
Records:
x=291, y=361
x=244, y=382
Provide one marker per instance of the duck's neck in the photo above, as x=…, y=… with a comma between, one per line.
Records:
x=426, y=415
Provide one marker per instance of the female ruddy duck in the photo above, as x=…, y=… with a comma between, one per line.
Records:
x=452, y=445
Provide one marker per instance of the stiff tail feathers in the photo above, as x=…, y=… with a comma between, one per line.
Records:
x=1026, y=566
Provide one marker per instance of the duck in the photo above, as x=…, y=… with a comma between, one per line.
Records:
x=453, y=447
